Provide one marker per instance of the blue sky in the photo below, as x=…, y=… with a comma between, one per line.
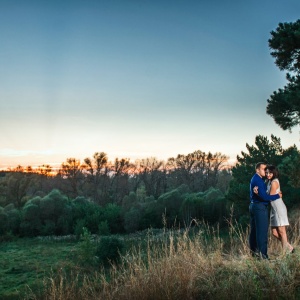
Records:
x=136, y=78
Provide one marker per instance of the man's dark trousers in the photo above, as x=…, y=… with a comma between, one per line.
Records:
x=259, y=225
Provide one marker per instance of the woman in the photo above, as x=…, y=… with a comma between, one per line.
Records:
x=278, y=217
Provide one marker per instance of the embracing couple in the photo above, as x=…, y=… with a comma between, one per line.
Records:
x=261, y=194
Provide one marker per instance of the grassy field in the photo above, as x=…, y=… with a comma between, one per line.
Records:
x=176, y=265
x=25, y=262
x=161, y=264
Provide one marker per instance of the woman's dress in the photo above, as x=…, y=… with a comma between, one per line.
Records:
x=278, y=216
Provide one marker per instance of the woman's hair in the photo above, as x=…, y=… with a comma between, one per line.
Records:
x=272, y=169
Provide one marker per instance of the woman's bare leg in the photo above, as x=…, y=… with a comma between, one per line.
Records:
x=275, y=233
x=283, y=238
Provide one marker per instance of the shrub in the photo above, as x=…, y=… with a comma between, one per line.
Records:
x=78, y=229
x=132, y=220
x=52, y=206
x=9, y=207
x=103, y=228
x=88, y=211
x=48, y=228
x=14, y=221
x=7, y=237
x=86, y=249
x=109, y=250
x=31, y=223
x=3, y=222
x=112, y=213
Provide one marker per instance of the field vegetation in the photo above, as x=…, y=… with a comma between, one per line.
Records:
x=199, y=262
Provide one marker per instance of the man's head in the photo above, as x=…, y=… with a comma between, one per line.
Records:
x=260, y=169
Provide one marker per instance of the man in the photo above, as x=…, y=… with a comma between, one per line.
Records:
x=259, y=220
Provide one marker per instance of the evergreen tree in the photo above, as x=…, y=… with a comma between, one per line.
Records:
x=264, y=150
x=284, y=105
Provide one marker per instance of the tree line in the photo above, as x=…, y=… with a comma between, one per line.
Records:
x=113, y=197
x=105, y=182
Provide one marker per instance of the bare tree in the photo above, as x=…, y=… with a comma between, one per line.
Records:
x=198, y=170
x=71, y=170
x=120, y=178
x=152, y=173
x=17, y=186
x=97, y=174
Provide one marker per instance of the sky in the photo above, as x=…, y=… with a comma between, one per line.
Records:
x=136, y=78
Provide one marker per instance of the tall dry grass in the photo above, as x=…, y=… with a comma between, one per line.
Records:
x=182, y=265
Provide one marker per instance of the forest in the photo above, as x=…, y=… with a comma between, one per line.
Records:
x=114, y=197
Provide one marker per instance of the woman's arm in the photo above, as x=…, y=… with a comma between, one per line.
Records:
x=272, y=190
x=274, y=187
x=262, y=194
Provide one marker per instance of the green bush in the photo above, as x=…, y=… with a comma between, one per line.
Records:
x=86, y=249
x=152, y=214
x=7, y=237
x=14, y=220
x=112, y=213
x=36, y=201
x=109, y=250
x=3, y=223
x=52, y=206
x=31, y=222
x=103, y=228
x=132, y=220
x=84, y=209
x=171, y=203
x=48, y=228
x=64, y=224
x=79, y=228
x=9, y=207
